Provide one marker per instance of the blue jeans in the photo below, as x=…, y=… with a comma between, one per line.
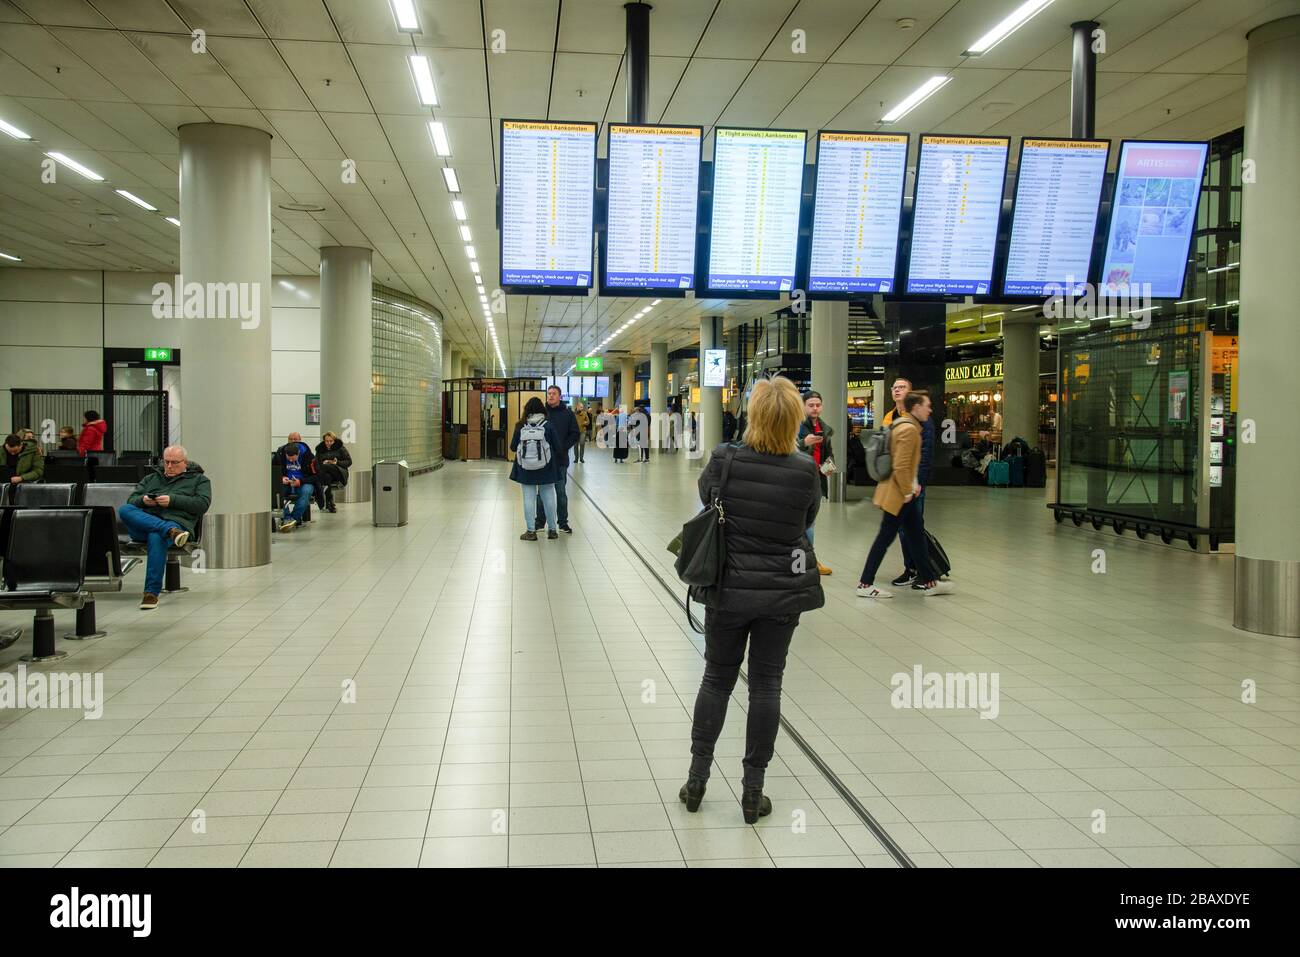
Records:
x=561, y=498
x=146, y=527
x=547, y=495
x=300, y=504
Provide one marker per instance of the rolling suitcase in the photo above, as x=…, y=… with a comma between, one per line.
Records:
x=938, y=557
x=1036, y=469
x=1017, y=464
x=999, y=474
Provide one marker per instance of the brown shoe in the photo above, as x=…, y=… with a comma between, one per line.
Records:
x=148, y=602
x=178, y=536
x=822, y=569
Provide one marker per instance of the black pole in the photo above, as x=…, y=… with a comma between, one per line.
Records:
x=1083, y=81
x=638, y=61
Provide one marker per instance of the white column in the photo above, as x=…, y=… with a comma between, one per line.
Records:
x=1268, y=508
x=1020, y=381
x=627, y=384
x=346, y=370
x=225, y=188
x=710, y=398
x=830, y=377
x=447, y=353
x=658, y=393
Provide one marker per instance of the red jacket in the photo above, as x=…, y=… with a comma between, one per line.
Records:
x=92, y=437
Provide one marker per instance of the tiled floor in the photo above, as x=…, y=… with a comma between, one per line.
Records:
x=528, y=703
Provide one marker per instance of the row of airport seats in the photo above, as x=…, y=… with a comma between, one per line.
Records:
x=64, y=466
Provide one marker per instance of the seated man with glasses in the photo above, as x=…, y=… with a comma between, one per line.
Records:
x=163, y=511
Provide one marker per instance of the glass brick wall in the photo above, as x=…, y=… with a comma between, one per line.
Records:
x=406, y=359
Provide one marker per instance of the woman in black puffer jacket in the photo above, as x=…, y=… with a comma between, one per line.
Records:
x=332, y=463
x=771, y=497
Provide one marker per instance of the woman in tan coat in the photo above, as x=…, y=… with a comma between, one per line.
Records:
x=896, y=499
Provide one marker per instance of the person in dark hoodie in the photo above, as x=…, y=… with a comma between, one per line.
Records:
x=537, y=467
x=23, y=461
x=163, y=511
x=771, y=496
x=332, y=463
x=565, y=425
x=92, y=433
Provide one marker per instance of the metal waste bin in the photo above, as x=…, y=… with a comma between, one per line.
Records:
x=388, y=496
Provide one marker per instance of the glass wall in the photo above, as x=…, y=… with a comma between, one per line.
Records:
x=406, y=358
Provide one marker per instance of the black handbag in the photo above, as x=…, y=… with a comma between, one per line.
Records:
x=701, y=547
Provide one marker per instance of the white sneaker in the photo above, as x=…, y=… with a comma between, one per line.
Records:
x=939, y=588
x=872, y=591
x=287, y=525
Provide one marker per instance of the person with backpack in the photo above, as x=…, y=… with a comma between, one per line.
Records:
x=895, y=470
x=565, y=426
x=899, y=390
x=537, y=467
x=815, y=442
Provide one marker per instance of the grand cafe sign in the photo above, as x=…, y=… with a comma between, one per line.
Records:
x=967, y=371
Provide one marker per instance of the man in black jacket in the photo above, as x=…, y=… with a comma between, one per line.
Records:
x=565, y=425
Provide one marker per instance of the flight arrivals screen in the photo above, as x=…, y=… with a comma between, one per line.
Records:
x=1058, y=196
x=959, y=183
x=654, y=177
x=859, y=200
x=548, y=177
x=757, y=183
x=1152, y=216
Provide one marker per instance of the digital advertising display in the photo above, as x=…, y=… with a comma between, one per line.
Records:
x=1152, y=217
x=1054, y=220
x=858, y=201
x=548, y=188
x=757, y=184
x=654, y=181
x=959, y=185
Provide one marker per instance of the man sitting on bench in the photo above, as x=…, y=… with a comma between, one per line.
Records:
x=162, y=511
x=22, y=461
x=297, y=481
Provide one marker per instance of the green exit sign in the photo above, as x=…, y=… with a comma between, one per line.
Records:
x=157, y=355
x=590, y=364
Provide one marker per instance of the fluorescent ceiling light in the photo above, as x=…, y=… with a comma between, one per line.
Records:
x=1024, y=308
x=473, y=265
x=136, y=199
x=449, y=177
x=423, y=75
x=16, y=259
x=916, y=98
x=74, y=165
x=469, y=251
x=13, y=131
x=1188, y=302
x=1014, y=21
x=404, y=13
x=656, y=302
x=173, y=220
x=438, y=133
x=465, y=233
x=458, y=207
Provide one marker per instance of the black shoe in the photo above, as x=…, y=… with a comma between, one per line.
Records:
x=565, y=528
x=906, y=578
x=529, y=536
x=754, y=804
x=552, y=535
x=692, y=793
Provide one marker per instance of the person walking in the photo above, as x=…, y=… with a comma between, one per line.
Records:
x=899, y=391
x=896, y=497
x=536, y=467
x=584, y=427
x=92, y=432
x=771, y=496
x=815, y=440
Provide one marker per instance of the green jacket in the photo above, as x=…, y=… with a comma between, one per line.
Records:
x=31, y=462
x=191, y=494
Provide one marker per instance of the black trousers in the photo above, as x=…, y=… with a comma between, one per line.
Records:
x=725, y=635
x=906, y=525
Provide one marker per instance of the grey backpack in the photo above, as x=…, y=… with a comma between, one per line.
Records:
x=880, y=462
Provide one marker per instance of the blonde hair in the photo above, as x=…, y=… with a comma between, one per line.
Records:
x=775, y=411
x=329, y=435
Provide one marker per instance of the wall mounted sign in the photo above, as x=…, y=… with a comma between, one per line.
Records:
x=965, y=371
x=313, y=409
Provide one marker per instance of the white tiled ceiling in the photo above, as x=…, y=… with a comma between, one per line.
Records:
x=109, y=82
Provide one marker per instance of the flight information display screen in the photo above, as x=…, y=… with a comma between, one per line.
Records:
x=548, y=179
x=1152, y=216
x=1054, y=221
x=959, y=184
x=757, y=182
x=857, y=205
x=654, y=178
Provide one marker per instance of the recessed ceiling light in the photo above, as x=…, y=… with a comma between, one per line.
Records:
x=404, y=13
x=13, y=131
x=449, y=177
x=77, y=167
x=422, y=73
x=465, y=233
x=136, y=199
x=1013, y=22
x=916, y=98
x=438, y=133
x=458, y=207
x=174, y=221
x=302, y=207
x=16, y=259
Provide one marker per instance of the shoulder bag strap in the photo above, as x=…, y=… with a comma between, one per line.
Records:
x=722, y=481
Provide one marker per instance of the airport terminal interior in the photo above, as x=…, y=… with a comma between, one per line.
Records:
x=360, y=360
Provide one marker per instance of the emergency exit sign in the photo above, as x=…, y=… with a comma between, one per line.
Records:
x=157, y=355
x=590, y=364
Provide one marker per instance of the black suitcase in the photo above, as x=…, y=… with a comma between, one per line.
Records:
x=938, y=557
x=1036, y=469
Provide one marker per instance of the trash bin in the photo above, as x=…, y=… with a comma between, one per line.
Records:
x=388, y=497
